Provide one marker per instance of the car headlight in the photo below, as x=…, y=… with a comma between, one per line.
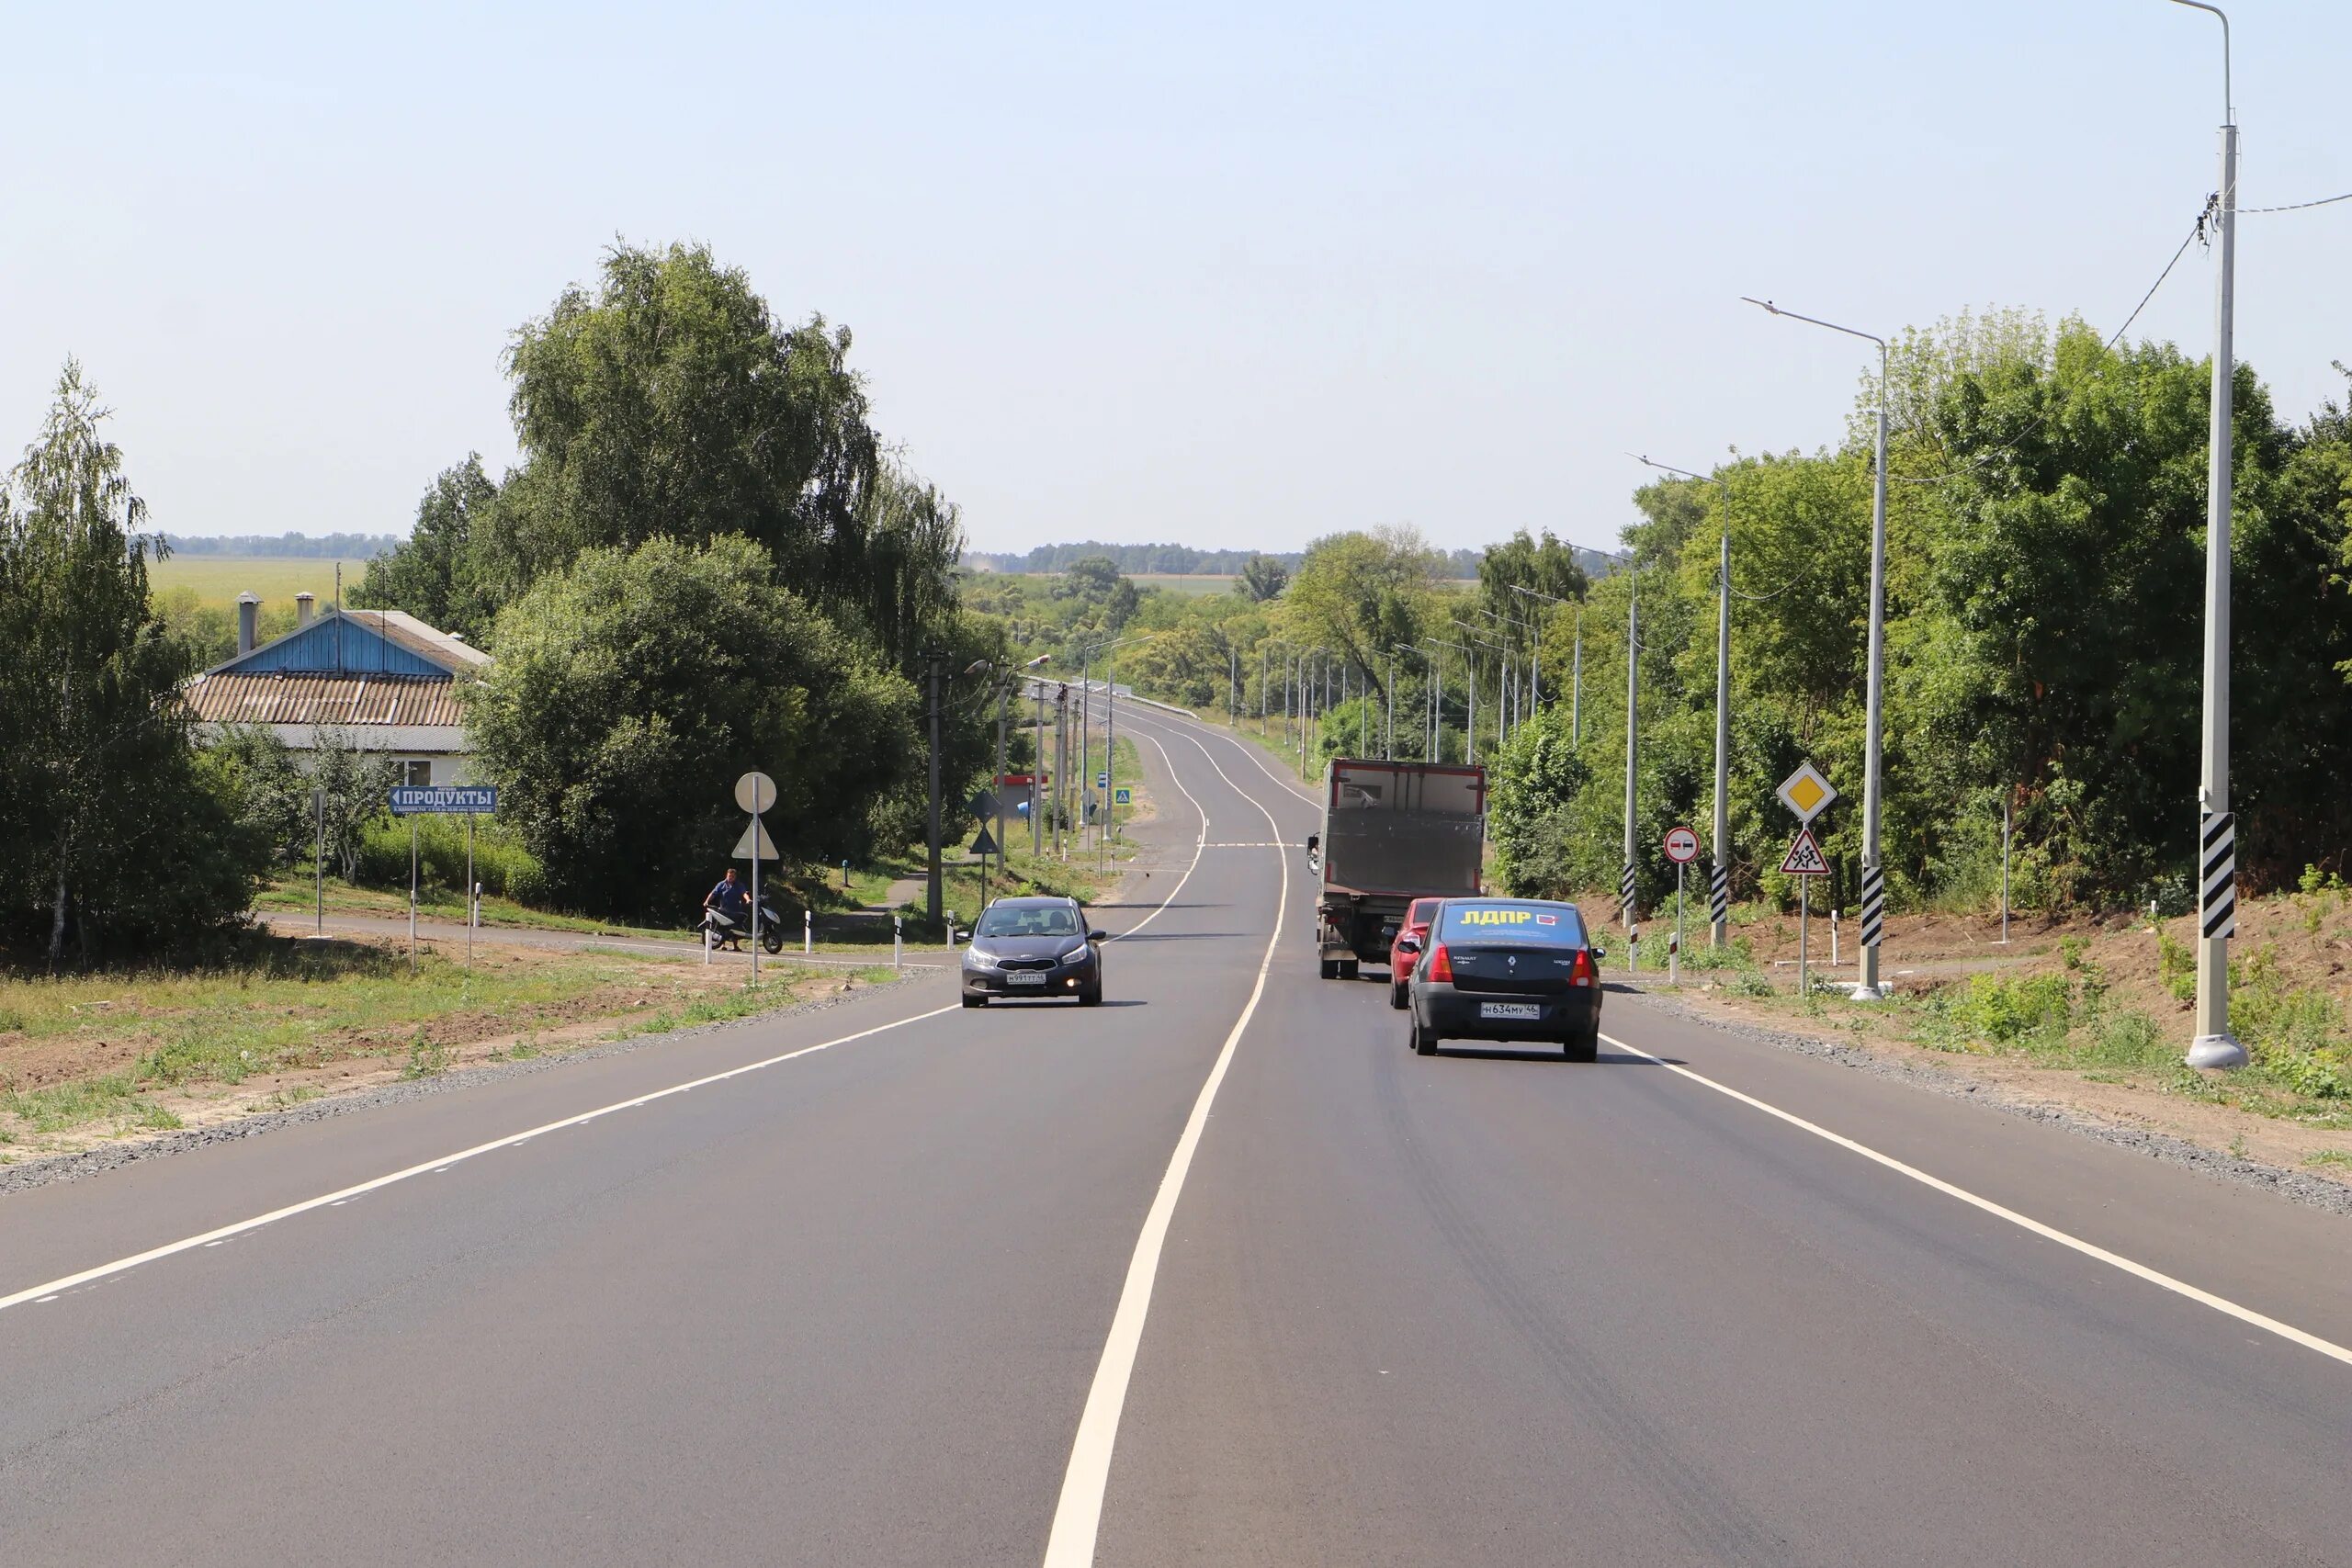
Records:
x=979, y=960
x=1074, y=952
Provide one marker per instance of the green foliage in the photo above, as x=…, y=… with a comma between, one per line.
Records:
x=1261, y=578
x=432, y=574
x=633, y=687
x=2045, y=527
x=113, y=836
x=504, y=867
x=2176, y=966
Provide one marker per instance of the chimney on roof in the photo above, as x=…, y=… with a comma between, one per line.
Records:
x=248, y=613
x=305, y=603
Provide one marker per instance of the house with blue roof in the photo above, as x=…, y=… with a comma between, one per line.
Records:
x=383, y=680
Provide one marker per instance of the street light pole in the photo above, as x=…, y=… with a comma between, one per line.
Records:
x=2217, y=919
x=1865, y=986
x=1469, y=662
x=1632, y=761
x=1719, y=874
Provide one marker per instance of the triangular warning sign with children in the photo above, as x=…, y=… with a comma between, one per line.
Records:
x=1804, y=858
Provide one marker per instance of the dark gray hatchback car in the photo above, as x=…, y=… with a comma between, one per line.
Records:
x=1508, y=969
x=1033, y=947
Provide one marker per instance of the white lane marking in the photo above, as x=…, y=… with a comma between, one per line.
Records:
x=436, y=1166
x=1200, y=842
x=1078, y=1518
x=439, y=1162
x=1254, y=753
x=2023, y=1221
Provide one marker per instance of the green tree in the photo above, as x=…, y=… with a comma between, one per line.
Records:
x=1359, y=593
x=669, y=403
x=1261, y=578
x=631, y=688
x=110, y=833
x=431, y=575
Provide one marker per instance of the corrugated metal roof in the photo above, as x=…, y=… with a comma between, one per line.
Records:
x=239, y=696
x=360, y=641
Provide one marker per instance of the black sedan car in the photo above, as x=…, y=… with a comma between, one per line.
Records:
x=1033, y=947
x=1508, y=969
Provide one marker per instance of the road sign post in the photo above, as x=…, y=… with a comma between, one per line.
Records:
x=1681, y=848
x=755, y=792
x=1804, y=861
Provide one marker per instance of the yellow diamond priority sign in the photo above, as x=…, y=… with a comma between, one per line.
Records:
x=1805, y=792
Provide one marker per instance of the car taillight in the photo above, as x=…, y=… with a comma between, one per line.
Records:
x=1582, y=975
x=1440, y=966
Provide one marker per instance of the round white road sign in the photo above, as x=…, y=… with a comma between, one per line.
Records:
x=1681, y=846
x=755, y=792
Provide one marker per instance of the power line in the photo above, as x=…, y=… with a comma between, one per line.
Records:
x=2298, y=205
x=2197, y=232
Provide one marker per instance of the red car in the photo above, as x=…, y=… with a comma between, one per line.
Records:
x=1400, y=965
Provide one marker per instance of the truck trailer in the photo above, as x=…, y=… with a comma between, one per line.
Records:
x=1392, y=832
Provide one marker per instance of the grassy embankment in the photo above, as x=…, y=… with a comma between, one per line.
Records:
x=2100, y=1004
x=88, y=1058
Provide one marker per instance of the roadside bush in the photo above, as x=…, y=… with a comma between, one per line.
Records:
x=504, y=867
x=2034, y=1009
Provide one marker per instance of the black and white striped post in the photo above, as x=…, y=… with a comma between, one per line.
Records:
x=1719, y=895
x=1873, y=904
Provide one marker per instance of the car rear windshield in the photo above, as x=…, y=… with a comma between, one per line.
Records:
x=1419, y=915
x=1037, y=920
x=1548, y=925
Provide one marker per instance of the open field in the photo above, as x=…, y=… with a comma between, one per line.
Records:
x=218, y=579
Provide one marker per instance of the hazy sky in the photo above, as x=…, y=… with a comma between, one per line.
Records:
x=1234, y=276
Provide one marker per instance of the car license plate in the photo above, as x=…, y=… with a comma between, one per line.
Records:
x=1025, y=977
x=1509, y=1009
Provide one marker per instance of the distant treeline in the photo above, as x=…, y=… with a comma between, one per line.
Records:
x=1183, y=560
x=337, y=546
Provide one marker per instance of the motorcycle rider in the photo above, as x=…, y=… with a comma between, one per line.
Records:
x=730, y=899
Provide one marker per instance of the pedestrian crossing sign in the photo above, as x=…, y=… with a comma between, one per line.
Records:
x=1805, y=857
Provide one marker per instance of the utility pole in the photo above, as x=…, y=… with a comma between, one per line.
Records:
x=1085, y=739
x=1388, y=749
x=1233, y=688
x=931, y=898
x=1576, y=694
x=1632, y=757
x=1037, y=782
x=1867, y=988
x=1061, y=758
x=996, y=789
x=1719, y=874
x=2217, y=902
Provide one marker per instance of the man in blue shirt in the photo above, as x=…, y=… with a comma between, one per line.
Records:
x=729, y=899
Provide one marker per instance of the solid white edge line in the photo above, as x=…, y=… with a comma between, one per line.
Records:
x=1077, y=1516
x=439, y=1162
x=1256, y=754
x=2024, y=1222
x=48, y=1289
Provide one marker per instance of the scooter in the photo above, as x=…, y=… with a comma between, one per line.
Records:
x=723, y=930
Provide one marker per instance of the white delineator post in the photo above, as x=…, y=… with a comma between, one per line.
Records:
x=2214, y=1045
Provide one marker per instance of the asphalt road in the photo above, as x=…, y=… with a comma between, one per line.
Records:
x=1142, y=1287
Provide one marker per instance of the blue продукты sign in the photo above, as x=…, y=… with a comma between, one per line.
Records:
x=425, y=800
